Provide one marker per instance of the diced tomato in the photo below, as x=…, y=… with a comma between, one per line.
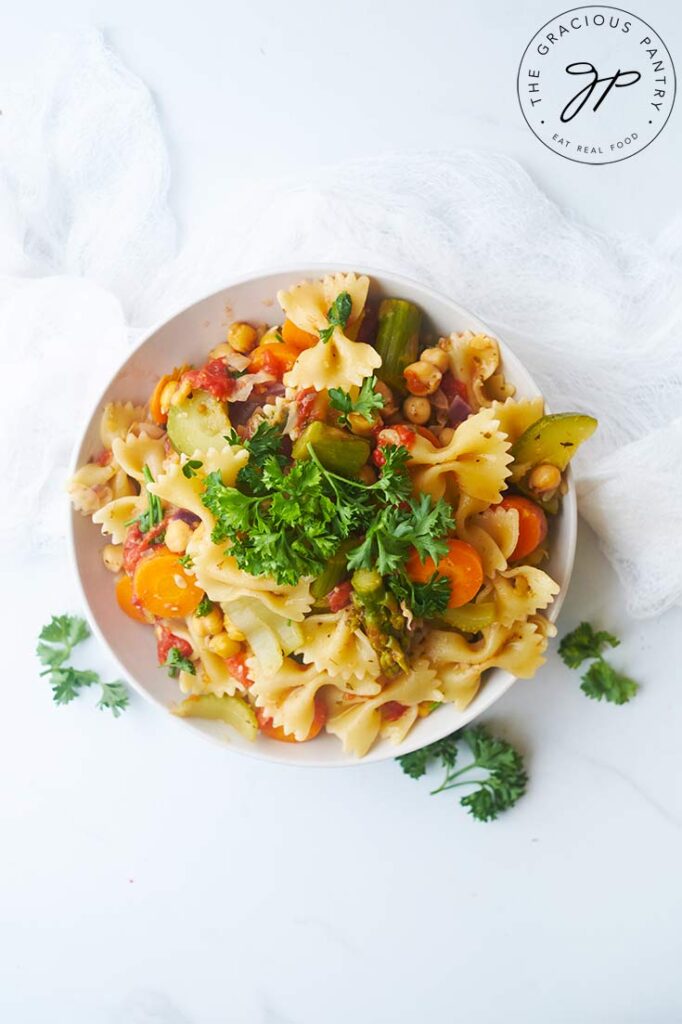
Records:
x=103, y=458
x=237, y=667
x=392, y=710
x=165, y=640
x=451, y=387
x=276, y=732
x=400, y=434
x=138, y=544
x=339, y=597
x=214, y=377
x=305, y=407
x=378, y=458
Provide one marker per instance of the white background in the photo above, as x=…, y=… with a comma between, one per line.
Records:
x=149, y=877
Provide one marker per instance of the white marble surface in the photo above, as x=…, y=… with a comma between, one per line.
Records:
x=150, y=877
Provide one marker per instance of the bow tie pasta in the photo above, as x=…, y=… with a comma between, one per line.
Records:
x=332, y=525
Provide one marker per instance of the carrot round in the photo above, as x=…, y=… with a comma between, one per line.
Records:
x=532, y=525
x=293, y=335
x=124, y=596
x=276, y=732
x=163, y=588
x=461, y=565
x=275, y=357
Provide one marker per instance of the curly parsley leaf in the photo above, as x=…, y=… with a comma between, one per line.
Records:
x=418, y=523
x=186, y=561
x=366, y=403
x=603, y=682
x=584, y=642
x=204, y=607
x=56, y=641
x=337, y=315
x=190, y=468
x=114, y=697
x=176, y=663
x=394, y=484
x=499, y=778
x=264, y=444
x=425, y=600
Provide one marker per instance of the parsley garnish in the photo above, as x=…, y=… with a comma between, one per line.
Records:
x=502, y=783
x=55, y=644
x=176, y=662
x=601, y=681
x=186, y=561
x=204, y=607
x=265, y=443
x=154, y=514
x=425, y=600
x=364, y=405
x=190, y=468
x=337, y=315
x=396, y=530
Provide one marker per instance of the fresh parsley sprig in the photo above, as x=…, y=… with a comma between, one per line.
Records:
x=265, y=443
x=601, y=681
x=337, y=315
x=366, y=404
x=496, y=771
x=56, y=641
x=190, y=468
x=205, y=607
x=176, y=662
x=416, y=523
x=425, y=600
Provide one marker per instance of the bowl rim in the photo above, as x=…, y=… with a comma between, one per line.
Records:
x=506, y=678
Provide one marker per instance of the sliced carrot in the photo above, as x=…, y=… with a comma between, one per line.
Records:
x=461, y=565
x=124, y=596
x=155, y=410
x=163, y=588
x=293, y=335
x=275, y=357
x=276, y=732
x=532, y=525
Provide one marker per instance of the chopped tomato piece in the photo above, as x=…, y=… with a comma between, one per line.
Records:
x=339, y=597
x=138, y=544
x=392, y=710
x=103, y=458
x=237, y=667
x=451, y=387
x=310, y=405
x=461, y=565
x=214, y=377
x=532, y=525
x=165, y=640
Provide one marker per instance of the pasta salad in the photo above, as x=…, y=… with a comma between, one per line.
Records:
x=337, y=523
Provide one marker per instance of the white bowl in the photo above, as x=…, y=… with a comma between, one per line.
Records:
x=187, y=337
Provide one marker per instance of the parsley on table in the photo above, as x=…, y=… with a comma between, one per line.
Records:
x=55, y=643
x=499, y=778
x=366, y=403
x=425, y=600
x=601, y=681
x=337, y=315
x=204, y=607
x=176, y=663
x=190, y=468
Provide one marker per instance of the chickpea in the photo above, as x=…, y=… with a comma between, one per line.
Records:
x=221, y=645
x=544, y=478
x=437, y=357
x=242, y=337
x=446, y=435
x=209, y=625
x=177, y=537
x=367, y=475
x=422, y=378
x=112, y=556
x=389, y=406
x=417, y=410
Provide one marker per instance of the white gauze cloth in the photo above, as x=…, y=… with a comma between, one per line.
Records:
x=88, y=257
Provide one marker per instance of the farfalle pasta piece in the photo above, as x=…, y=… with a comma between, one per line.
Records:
x=474, y=360
x=212, y=674
x=476, y=457
x=136, y=451
x=288, y=695
x=520, y=592
x=518, y=648
x=358, y=722
x=172, y=486
x=333, y=643
x=493, y=531
x=338, y=362
x=516, y=415
x=395, y=730
x=116, y=516
x=117, y=419
x=92, y=487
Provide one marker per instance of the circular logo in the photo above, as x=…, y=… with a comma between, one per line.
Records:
x=596, y=84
